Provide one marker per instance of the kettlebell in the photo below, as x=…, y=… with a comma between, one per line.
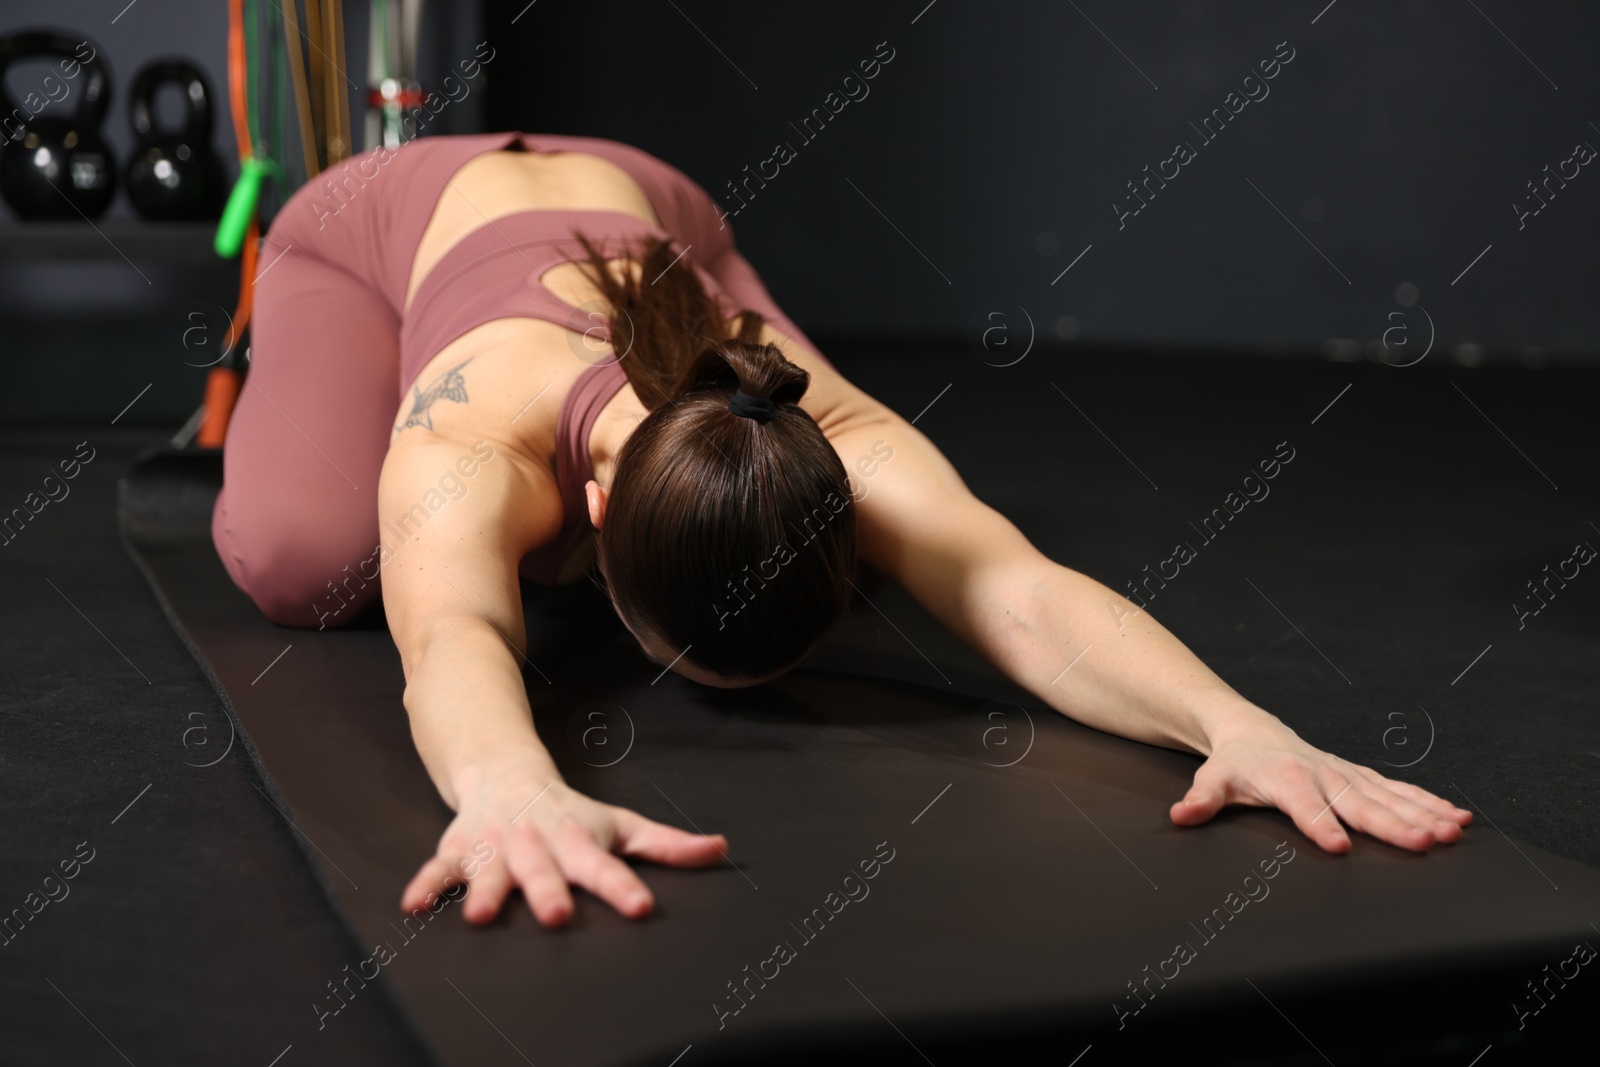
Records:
x=173, y=175
x=53, y=162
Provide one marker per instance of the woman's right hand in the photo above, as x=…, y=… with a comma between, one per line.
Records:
x=541, y=835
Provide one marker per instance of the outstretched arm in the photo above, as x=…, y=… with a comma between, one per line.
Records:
x=457, y=519
x=1093, y=655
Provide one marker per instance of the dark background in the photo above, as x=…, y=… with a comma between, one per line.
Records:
x=986, y=157
x=1000, y=135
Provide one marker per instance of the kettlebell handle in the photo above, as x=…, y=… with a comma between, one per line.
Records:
x=94, y=88
x=196, y=90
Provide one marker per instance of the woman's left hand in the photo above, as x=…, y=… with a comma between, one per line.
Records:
x=1266, y=764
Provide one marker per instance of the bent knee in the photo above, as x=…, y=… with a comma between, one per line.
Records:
x=321, y=595
x=301, y=578
x=298, y=605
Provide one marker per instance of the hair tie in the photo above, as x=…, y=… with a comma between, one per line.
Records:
x=759, y=408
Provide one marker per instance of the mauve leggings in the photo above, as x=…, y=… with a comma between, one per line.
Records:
x=297, y=522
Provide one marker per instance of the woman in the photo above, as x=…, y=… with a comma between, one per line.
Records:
x=479, y=359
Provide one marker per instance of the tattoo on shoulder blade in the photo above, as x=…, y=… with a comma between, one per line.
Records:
x=450, y=385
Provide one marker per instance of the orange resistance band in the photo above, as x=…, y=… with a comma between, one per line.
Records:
x=222, y=384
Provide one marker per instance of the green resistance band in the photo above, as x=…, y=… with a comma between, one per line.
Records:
x=242, y=204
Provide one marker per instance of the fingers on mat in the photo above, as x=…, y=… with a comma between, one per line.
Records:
x=487, y=890
x=1395, y=801
x=1440, y=807
x=428, y=883
x=542, y=882
x=1381, y=820
x=647, y=839
x=1312, y=808
x=1201, y=803
x=1416, y=814
x=586, y=864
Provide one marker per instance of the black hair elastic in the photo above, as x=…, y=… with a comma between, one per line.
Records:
x=760, y=408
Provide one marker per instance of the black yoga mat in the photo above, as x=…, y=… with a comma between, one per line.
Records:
x=927, y=866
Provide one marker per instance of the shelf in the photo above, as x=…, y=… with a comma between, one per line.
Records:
x=135, y=239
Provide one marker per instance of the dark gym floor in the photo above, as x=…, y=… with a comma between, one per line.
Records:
x=196, y=933
x=1367, y=601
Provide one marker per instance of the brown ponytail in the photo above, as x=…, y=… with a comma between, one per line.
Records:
x=662, y=319
x=732, y=537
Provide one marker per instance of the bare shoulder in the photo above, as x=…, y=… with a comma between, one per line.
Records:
x=903, y=486
x=503, y=380
x=500, y=386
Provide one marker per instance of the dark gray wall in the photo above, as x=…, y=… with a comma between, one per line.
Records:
x=993, y=148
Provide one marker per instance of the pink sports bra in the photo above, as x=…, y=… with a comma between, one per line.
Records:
x=494, y=272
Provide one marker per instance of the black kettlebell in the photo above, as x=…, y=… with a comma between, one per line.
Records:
x=173, y=175
x=53, y=162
